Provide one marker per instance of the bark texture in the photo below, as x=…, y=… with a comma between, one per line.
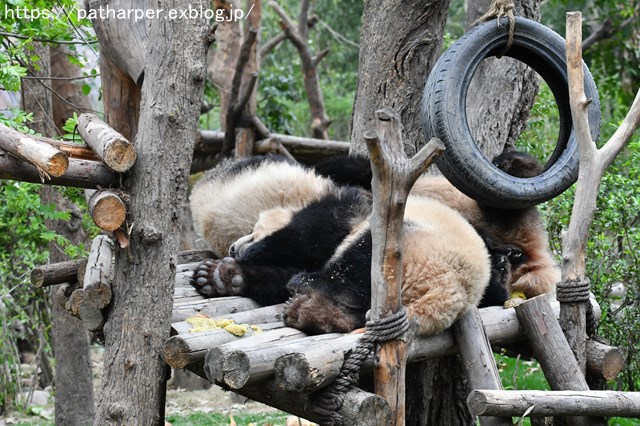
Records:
x=140, y=312
x=502, y=91
x=394, y=64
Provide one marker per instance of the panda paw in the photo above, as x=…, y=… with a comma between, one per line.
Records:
x=218, y=278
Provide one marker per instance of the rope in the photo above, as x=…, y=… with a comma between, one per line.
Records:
x=328, y=401
x=500, y=9
x=574, y=291
x=577, y=291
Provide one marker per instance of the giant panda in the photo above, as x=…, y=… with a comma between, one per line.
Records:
x=444, y=256
x=228, y=199
x=519, y=233
x=516, y=239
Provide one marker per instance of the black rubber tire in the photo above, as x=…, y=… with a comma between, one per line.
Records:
x=444, y=114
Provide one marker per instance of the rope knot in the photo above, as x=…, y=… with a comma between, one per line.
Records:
x=501, y=9
x=328, y=401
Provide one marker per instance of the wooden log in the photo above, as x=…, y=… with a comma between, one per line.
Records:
x=604, y=361
x=265, y=315
x=197, y=256
x=107, y=209
x=55, y=273
x=82, y=152
x=295, y=368
x=45, y=157
x=114, y=149
x=79, y=174
x=91, y=316
x=230, y=365
x=358, y=408
x=393, y=177
x=477, y=358
x=551, y=348
x=212, y=307
x=314, y=372
x=557, y=403
x=99, y=272
x=187, y=350
x=64, y=292
x=185, y=295
x=74, y=302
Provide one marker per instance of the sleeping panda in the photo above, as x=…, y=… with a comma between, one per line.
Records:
x=516, y=239
x=330, y=237
x=519, y=233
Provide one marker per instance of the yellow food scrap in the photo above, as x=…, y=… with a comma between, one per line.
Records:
x=202, y=322
x=516, y=298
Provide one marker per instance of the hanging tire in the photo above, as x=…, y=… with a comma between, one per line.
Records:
x=444, y=114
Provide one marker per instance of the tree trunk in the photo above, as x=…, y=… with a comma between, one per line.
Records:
x=73, y=380
x=140, y=312
x=222, y=61
x=392, y=73
x=502, y=91
x=394, y=64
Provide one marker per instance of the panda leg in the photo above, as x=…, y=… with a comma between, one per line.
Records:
x=230, y=277
x=439, y=306
x=314, y=313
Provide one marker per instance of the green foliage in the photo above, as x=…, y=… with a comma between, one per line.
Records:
x=213, y=419
x=282, y=102
x=24, y=310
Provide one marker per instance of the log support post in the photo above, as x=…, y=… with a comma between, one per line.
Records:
x=477, y=358
x=393, y=176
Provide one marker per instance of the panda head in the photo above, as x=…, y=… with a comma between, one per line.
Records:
x=269, y=221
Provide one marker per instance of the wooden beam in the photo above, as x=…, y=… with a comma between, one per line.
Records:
x=227, y=364
x=56, y=273
x=555, y=403
x=114, y=149
x=551, y=348
x=49, y=160
x=79, y=174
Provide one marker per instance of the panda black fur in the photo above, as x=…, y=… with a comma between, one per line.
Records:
x=445, y=270
x=446, y=263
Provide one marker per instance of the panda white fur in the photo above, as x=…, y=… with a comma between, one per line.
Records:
x=318, y=249
x=228, y=199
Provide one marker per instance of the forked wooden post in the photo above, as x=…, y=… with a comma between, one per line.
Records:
x=593, y=163
x=393, y=176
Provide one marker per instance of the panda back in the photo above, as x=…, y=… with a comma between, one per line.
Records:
x=227, y=201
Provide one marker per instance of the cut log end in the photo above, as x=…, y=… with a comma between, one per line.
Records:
x=57, y=164
x=120, y=155
x=37, y=278
x=477, y=403
x=109, y=212
x=237, y=370
x=293, y=373
x=98, y=295
x=176, y=352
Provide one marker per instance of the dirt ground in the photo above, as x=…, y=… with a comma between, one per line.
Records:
x=186, y=394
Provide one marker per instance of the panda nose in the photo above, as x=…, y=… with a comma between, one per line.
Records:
x=232, y=251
